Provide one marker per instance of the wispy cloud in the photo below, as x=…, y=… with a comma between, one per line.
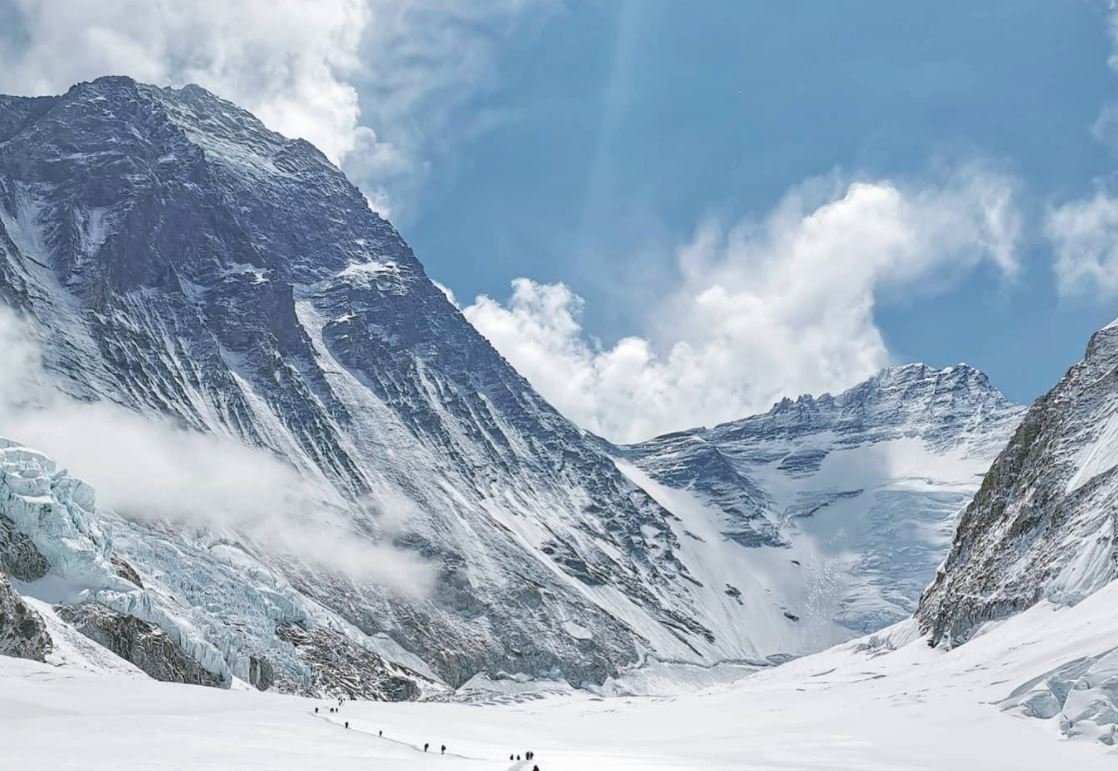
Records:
x=1105, y=127
x=146, y=468
x=369, y=82
x=1084, y=233
x=763, y=308
x=1084, y=236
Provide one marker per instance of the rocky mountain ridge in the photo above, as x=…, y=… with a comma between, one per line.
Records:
x=878, y=472
x=1044, y=524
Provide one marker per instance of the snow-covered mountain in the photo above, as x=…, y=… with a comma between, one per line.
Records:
x=1044, y=525
x=850, y=500
x=181, y=261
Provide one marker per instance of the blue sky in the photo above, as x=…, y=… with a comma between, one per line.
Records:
x=622, y=125
x=710, y=204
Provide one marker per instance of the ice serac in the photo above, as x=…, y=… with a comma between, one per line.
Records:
x=183, y=261
x=850, y=500
x=201, y=613
x=1043, y=524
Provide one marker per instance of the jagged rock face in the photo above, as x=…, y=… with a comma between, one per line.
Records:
x=126, y=571
x=861, y=490
x=1043, y=524
x=22, y=633
x=261, y=675
x=18, y=555
x=143, y=644
x=182, y=260
x=342, y=669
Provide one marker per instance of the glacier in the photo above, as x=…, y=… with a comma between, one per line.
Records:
x=879, y=703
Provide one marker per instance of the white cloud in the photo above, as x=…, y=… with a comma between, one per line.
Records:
x=763, y=309
x=147, y=468
x=1084, y=235
x=289, y=61
x=302, y=67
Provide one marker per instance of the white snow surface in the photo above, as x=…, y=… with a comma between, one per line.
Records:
x=883, y=702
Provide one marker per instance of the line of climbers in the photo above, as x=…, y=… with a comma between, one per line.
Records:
x=529, y=755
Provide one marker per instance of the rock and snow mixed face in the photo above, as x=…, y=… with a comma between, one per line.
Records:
x=849, y=501
x=1044, y=524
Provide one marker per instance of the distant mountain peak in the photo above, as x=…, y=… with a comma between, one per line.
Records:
x=906, y=381
x=864, y=467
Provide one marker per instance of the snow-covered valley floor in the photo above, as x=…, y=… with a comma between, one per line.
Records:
x=859, y=706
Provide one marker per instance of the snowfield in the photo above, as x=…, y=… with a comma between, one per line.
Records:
x=883, y=702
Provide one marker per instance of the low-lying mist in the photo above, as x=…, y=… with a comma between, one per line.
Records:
x=147, y=468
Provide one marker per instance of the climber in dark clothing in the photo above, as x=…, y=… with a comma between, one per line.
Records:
x=510, y=757
x=347, y=724
x=444, y=749
x=425, y=746
x=316, y=710
x=380, y=732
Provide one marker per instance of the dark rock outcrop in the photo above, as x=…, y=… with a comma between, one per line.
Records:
x=141, y=643
x=261, y=675
x=343, y=669
x=1044, y=523
x=18, y=555
x=126, y=571
x=22, y=631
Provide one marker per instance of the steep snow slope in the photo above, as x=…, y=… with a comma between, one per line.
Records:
x=835, y=510
x=1045, y=521
x=883, y=703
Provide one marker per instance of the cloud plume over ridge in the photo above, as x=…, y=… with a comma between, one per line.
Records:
x=761, y=309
